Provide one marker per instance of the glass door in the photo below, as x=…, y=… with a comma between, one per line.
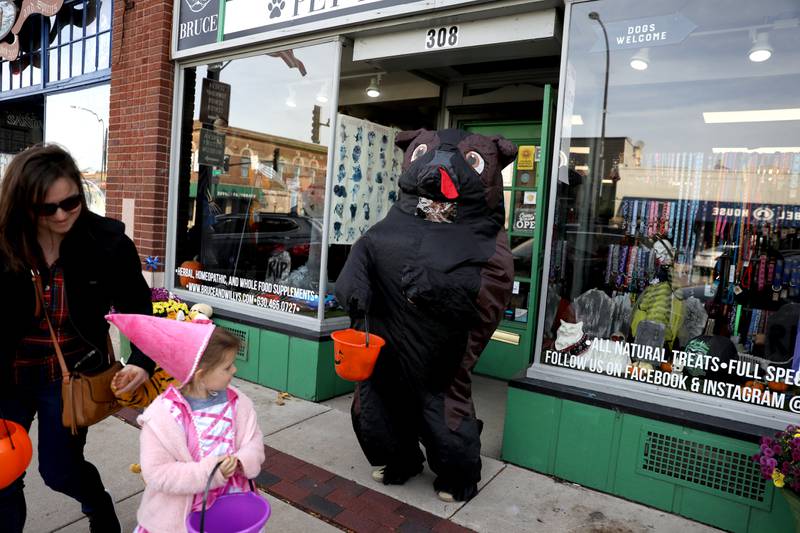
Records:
x=525, y=190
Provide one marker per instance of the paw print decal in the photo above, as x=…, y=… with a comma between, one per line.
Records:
x=275, y=7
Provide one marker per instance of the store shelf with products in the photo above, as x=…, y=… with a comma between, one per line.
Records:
x=688, y=288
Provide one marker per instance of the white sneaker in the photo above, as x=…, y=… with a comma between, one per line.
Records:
x=377, y=475
x=445, y=496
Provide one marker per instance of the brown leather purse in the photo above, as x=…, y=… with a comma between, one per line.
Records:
x=87, y=398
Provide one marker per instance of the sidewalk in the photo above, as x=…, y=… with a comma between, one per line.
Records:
x=317, y=480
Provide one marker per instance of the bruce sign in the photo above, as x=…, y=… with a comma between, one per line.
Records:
x=198, y=24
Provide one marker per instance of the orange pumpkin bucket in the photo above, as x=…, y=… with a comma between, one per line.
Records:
x=15, y=452
x=355, y=353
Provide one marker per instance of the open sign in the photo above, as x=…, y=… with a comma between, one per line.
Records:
x=525, y=220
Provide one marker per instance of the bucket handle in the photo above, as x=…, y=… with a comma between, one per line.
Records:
x=205, y=495
x=8, y=431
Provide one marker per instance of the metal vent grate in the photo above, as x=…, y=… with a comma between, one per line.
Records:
x=242, y=334
x=725, y=472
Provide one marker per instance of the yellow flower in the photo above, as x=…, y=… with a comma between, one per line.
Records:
x=777, y=478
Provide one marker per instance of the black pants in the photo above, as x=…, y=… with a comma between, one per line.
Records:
x=390, y=422
x=61, y=462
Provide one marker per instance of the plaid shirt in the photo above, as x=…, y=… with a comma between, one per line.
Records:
x=36, y=362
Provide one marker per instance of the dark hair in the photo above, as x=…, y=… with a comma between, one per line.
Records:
x=25, y=183
x=221, y=342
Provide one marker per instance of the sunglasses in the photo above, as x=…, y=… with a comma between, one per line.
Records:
x=67, y=204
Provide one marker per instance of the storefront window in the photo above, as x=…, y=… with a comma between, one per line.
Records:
x=78, y=121
x=675, y=247
x=254, y=149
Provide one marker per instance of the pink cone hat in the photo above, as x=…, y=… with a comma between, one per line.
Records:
x=175, y=345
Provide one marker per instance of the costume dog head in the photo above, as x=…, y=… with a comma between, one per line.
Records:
x=455, y=167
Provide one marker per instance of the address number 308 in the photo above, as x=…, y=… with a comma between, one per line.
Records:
x=445, y=37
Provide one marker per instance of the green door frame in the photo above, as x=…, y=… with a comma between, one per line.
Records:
x=509, y=352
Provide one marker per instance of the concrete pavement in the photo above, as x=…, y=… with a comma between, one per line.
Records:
x=511, y=499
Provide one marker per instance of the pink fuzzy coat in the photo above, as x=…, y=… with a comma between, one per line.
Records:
x=172, y=477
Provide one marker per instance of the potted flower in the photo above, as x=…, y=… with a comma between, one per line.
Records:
x=779, y=459
x=166, y=304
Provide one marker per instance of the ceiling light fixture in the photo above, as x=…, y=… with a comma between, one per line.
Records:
x=641, y=59
x=753, y=115
x=761, y=49
x=290, y=101
x=373, y=89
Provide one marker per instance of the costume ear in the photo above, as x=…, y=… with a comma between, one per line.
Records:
x=404, y=138
x=506, y=150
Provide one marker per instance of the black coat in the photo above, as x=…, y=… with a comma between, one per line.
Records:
x=435, y=291
x=101, y=269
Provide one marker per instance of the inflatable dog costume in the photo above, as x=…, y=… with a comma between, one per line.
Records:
x=433, y=278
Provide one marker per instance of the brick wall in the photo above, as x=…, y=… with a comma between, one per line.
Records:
x=140, y=118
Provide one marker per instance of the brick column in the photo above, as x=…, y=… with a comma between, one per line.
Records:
x=139, y=122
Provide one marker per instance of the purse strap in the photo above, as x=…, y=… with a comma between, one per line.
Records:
x=37, y=284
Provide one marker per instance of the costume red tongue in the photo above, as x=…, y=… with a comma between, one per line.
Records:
x=448, y=188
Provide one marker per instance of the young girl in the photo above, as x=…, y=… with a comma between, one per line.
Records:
x=187, y=431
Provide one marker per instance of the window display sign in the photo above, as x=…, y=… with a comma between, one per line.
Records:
x=525, y=157
x=754, y=213
x=215, y=101
x=650, y=31
x=265, y=294
x=703, y=372
x=212, y=148
x=367, y=167
x=525, y=219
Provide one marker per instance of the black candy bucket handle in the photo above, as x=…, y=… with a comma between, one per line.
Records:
x=366, y=327
x=205, y=495
x=8, y=430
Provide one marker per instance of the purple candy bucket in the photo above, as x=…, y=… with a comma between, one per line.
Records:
x=243, y=512
x=239, y=512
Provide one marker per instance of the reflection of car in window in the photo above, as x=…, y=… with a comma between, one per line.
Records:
x=242, y=244
x=523, y=256
x=708, y=257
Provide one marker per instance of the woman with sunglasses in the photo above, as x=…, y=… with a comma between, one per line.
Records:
x=87, y=265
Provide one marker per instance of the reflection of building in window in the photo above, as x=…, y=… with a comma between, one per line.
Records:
x=253, y=182
x=245, y=162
